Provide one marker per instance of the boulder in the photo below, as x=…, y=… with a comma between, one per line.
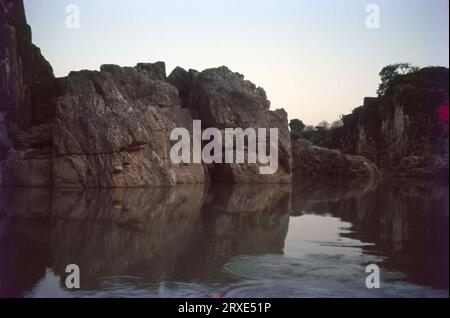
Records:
x=112, y=129
x=314, y=161
x=223, y=99
x=182, y=80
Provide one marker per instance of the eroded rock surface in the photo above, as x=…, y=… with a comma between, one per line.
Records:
x=224, y=99
x=311, y=161
x=112, y=129
x=24, y=146
x=405, y=131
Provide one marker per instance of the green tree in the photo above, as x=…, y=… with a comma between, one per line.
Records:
x=296, y=125
x=322, y=126
x=389, y=72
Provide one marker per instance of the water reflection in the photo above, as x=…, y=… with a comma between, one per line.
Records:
x=156, y=234
x=310, y=239
x=405, y=219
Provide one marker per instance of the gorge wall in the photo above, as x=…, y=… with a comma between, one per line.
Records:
x=111, y=128
x=405, y=131
x=24, y=74
x=311, y=161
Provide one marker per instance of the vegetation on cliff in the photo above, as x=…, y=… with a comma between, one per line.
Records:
x=404, y=130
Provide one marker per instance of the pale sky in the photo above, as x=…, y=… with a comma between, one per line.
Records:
x=315, y=58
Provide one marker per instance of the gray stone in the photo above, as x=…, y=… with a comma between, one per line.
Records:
x=314, y=161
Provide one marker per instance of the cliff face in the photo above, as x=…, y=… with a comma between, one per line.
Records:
x=111, y=128
x=22, y=66
x=24, y=148
x=405, y=131
x=314, y=161
x=224, y=99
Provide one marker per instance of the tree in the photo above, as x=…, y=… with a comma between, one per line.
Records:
x=296, y=125
x=389, y=72
x=323, y=125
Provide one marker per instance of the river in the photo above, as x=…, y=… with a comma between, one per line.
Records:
x=311, y=239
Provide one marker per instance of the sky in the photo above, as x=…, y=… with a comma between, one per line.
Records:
x=316, y=59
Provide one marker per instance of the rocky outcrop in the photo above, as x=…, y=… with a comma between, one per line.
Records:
x=183, y=80
x=314, y=161
x=405, y=131
x=111, y=128
x=224, y=99
x=25, y=78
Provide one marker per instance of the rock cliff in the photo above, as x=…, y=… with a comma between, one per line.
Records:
x=314, y=161
x=405, y=131
x=224, y=99
x=111, y=128
x=25, y=75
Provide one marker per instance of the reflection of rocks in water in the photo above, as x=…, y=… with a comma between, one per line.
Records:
x=29, y=203
x=240, y=220
x=411, y=219
x=248, y=219
x=125, y=232
x=403, y=217
x=310, y=192
x=24, y=227
x=189, y=235
x=24, y=255
x=149, y=234
x=130, y=207
x=129, y=232
x=249, y=198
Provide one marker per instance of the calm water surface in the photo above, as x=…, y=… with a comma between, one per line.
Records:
x=312, y=239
